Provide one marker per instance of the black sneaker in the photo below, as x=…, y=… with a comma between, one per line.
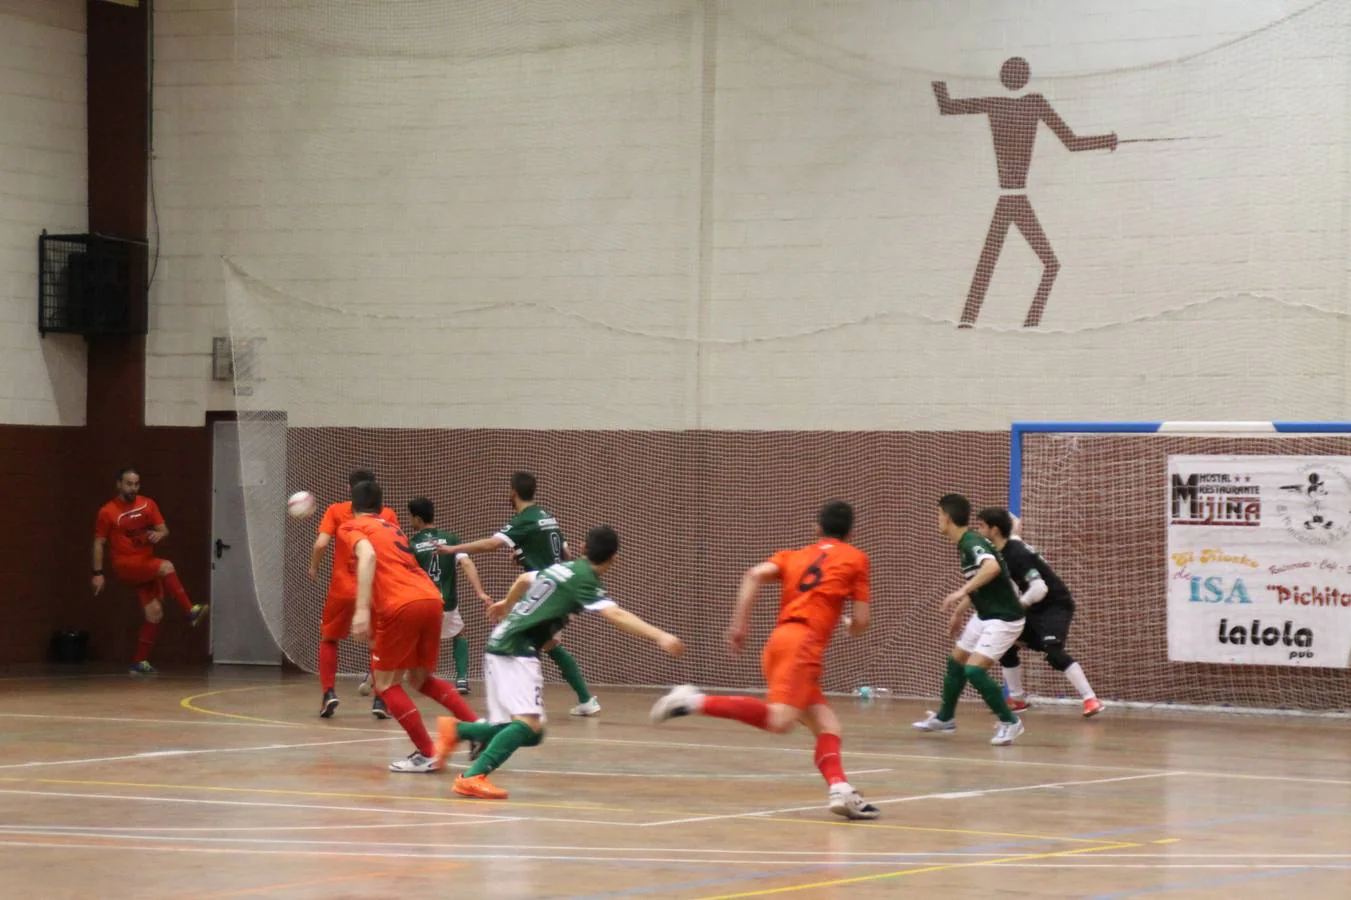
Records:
x=378, y=708
x=476, y=749
x=330, y=704
x=462, y=685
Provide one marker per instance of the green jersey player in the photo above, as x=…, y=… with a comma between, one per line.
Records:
x=996, y=625
x=426, y=542
x=536, y=608
x=537, y=542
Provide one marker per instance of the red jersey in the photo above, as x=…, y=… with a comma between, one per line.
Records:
x=343, y=582
x=817, y=582
x=125, y=526
x=399, y=580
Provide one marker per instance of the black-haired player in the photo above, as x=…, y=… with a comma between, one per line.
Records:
x=1049, y=610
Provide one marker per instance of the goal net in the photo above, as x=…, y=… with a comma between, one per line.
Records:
x=1099, y=506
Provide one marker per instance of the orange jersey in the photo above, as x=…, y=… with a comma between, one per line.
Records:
x=817, y=582
x=399, y=580
x=125, y=527
x=343, y=582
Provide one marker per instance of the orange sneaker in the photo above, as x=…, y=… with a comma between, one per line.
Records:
x=1092, y=706
x=478, y=786
x=446, y=738
x=1017, y=704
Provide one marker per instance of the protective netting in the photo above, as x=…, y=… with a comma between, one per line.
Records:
x=1095, y=506
x=700, y=264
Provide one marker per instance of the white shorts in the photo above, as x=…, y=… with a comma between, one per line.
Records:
x=515, y=687
x=991, y=638
x=452, y=623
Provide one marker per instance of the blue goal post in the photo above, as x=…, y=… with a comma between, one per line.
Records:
x=1020, y=429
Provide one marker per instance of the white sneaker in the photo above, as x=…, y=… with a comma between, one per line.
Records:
x=846, y=802
x=1005, y=732
x=589, y=708
x=364, y=689
x=678, y=701
x=933, y=723
x=415, y=762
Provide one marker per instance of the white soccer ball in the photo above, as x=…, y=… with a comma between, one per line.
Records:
x=301, y=505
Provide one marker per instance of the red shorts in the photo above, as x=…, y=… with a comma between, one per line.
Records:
x=409, y=637
x=337, y=621
x=142, y=573
x=792, y=665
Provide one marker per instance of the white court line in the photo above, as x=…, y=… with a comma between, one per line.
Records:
x=1230, y=866
x=194, y=720
x=950, y=795
x=389, y=810
x=650, y=776
x=159, y=754
x=1294, y=779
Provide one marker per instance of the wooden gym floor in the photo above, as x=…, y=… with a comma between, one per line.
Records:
x=227, y=785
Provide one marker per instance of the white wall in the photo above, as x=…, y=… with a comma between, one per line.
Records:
x=543, y=221
x=43, y=184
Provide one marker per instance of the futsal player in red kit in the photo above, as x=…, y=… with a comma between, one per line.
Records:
x=131, y=526
x=399, y=608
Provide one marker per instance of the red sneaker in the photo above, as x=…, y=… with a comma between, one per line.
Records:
x=1018, y=704
x=1092, y=706
x=446, y=739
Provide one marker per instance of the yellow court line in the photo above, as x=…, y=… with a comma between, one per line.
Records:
x=921, y=870
x=307, y=883
x=189, y=704
x=869, y=826
x=330, y=794
x=1167, y=841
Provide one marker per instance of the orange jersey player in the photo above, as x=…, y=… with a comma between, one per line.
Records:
x=818, y=582
x=340, y=603
x=131, y=526
x=400, y=608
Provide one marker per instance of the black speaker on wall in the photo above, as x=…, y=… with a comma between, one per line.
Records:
x=92, y=284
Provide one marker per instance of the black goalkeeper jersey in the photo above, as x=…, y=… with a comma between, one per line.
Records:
x=1026, y=567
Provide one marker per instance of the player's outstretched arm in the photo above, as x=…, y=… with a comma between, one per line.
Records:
x=1036, y=592
x=500, y=609
x=482, y=545
x=317, y=553
x=627, y=621
x=745, y=600
x=365, y=554
x=471, y=575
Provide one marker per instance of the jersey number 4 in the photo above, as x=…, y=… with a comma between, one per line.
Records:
x=812, y=576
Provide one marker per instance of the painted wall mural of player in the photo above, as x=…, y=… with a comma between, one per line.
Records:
x=1013, y=124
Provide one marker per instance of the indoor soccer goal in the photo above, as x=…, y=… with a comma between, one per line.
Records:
x=1208, y=560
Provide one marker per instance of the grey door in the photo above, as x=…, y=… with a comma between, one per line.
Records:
x=239, y=633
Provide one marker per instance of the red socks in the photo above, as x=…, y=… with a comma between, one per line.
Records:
x=751, y=710
x=445, y=694
x=828, y=758
x=406, y=714
x=175, y=588
x=145, y=640
x=328, y=664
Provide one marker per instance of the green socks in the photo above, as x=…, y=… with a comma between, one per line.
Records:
x=460, y=647
x=507, y=740
x=953, y=683
x=480, y=732
x=572, y=673
x=989, y=690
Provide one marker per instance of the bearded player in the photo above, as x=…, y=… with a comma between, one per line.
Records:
x=340, y=602
x=817, y=582
x=131, y=526
x=398, y=608
x=537, y=543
